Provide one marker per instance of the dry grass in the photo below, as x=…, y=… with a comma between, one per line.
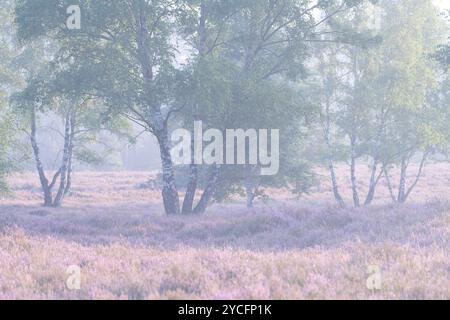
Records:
x=290, y=249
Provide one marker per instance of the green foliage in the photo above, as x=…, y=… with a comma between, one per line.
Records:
x=343, y=80
x=8, y=82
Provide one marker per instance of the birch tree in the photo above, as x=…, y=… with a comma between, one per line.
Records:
x=376, y=99
x=407, y=78
x=123, y=54
x=252, y=47
x=126, y=53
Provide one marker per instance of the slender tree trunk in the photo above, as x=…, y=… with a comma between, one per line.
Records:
x=418, y=176
x=209, y=190
x=353, y=174
x=327, y=133
x=402, y=182
x=48, y=198
x=250, y=197
x=374, y=179
x=65, y=163
x=170, y=192
x=353, y=135
x=250, y=184
x=249, y=191
x=335, y=186
x=71, y=147
x=69, y=176
x=188, y=203
x=389, y=185
x=191, y=188
x=252, y=193
x=158, y=124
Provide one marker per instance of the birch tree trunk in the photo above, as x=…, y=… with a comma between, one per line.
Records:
x=169, y=192
x=402, y=182
x=158, y=123
x=251, y=184
x=353, y=174
x=250, y=193
x=65, y=162
x=336, y=193
x=209, y=190
x=327, y=129
x=353, y=133
x=71, y=147
x=48, y=201
x=418, y=176
x=374, y=179
x=389, y=185
x=191, y=188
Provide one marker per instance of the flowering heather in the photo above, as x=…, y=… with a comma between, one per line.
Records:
x=114, y=230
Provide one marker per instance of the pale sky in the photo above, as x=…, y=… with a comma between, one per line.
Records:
x=443, y=3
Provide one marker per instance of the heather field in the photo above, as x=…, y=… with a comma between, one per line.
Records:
x=224, y=150
x=114, y=229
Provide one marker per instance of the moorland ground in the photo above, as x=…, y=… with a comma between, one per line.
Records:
x=113, y=227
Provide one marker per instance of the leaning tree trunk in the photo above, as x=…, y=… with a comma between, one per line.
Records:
x=209, y=190
x=389, y=185
x=374, y=180
x=418, y=176
x=327, y=129
x=62, y=173
x=48, y=198
x=336, y=193
x=191, y=188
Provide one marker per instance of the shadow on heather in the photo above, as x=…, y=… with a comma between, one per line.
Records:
x=271, y=227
